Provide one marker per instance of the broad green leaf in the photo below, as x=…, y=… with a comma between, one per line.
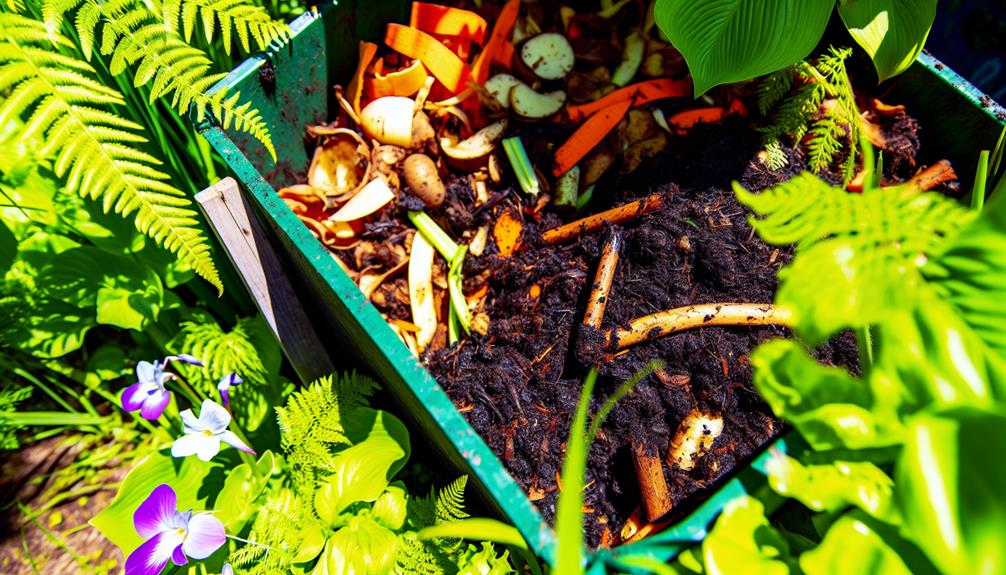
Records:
x=8, y=247
x=391, y=507
x=362, y=547
x=363, y=470
x=51, y=329
x=196, y=484
x=971, y=274
x=476, y=528
x=892, y=32
x=743, y=542
x=852, y=547
x=726, y=41
x=108, y=231
x=236, y=502
x=833, y=487
x=950, y=488
x=830, y=408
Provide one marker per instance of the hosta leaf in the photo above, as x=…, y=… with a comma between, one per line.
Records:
x=950, y=488
x=727, y=41
x=852, y=547
x=743, y=542
x=834, y=486
x=362, y=547
x=892, y=32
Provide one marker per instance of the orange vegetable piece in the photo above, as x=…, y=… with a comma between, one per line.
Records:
x=446, y=21
x=506, y=232
x=404, y=82
x=367, y=52
x=504, y=55
x=588, y=135
x=638, y=94
x=438, y=59
x=738, y=107
x=683, y=121
x=500, y=34
x=534, y=291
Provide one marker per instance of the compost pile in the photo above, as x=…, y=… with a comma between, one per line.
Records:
x=518, y=214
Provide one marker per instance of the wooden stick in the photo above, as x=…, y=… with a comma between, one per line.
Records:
x=691, y=316
x=591, y=224
x=229, y=214
x=939, y=173
x=602, y=281
x=652, y=485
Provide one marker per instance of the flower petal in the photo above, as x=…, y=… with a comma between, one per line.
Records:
x=213, y=416
x=146, y=372
x=151, y=557
x=132, y=397
x=229, y=380
x=225, y=396
x=203, y=446
x=155, y=403
x=191, y=422
x=178, y=556
x=184, y=357
x=206, y=535
x=154, y=514
x=227, y=569
x=234, y=441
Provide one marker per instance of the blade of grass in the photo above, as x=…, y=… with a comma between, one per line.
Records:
x=568, y=516
x=981, y=175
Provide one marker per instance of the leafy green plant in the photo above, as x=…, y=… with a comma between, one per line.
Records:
x=797, y=96
x=329, y=505
x=726, y=41
x=47, y=81
x=898, y=475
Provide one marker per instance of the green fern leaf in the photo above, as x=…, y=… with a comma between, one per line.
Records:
x=248, y=21
x=222, y=352
x=65, y=106
x=773, y=88
x=416, y=557
x=861, y=253
x=451, y=501
x=131, y=33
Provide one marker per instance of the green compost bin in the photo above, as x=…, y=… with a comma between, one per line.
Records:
x=292, y=86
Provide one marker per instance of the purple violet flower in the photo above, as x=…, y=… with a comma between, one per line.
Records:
x=171, y=534
x=226, y=383
x=227, y=569
x=203, y=434
x=148, y=394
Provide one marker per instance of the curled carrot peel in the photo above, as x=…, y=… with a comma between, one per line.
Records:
x=588, y=135
x=504, y=55
x=404, y=82
x=636, y=94
x=446, y=21
x=500, y=35
x=443, y=64
x=683, y=121
x=367, y=52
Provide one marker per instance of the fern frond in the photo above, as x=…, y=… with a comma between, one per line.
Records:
x=221, y=352
x=131, y=34
x=277, y=533
x=311, y=425
x=861, y=253
x=247, y=21
x=64, y=105
x=451, y=501
x=773, y=88
x=832, y=128
x=15, y=6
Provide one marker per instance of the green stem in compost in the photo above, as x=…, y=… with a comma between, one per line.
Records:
x=522, y=167
x=434, y=234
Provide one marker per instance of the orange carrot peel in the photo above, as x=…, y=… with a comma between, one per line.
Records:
x=588, y=135
x=443, y=64
x=404, y=82
x=684, y=121
x=636, y=94
x=499, y=37
x=367, y=52
x=440, y=20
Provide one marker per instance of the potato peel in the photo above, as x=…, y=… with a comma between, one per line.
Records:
x=424, y=313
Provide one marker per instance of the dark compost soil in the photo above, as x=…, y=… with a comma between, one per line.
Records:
x=519, y=385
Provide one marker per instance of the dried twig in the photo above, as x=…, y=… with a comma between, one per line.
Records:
x=591, y=224
x=602, y=281
x=652, y=485
x=939, y=173
x=701, y=315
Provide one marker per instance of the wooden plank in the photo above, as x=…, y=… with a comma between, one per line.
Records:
x=256, y=261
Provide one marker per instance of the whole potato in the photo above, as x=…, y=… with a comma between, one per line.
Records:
x=422, y=177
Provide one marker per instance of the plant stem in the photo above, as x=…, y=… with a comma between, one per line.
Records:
x=981, y=176
x=864, y=341
x=701, y=315
x=434, y=234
